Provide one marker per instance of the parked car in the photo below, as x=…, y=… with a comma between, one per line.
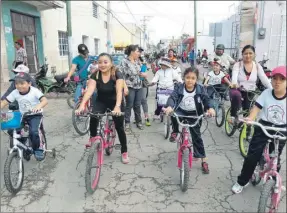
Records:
x=117, y=58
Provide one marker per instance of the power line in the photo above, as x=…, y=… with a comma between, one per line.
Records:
x=132, y=15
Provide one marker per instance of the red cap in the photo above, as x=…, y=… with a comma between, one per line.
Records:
x=279, y=70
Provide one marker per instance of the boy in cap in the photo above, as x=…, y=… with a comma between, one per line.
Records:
x=32, y=99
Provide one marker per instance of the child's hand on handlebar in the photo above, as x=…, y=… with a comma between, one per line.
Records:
x=80, y=110
x=211, y=112
x=36, y=109
x=167, y=110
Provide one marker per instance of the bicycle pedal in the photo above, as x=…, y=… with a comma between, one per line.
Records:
x=117, y=146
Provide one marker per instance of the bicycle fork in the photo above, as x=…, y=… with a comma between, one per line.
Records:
x=185, y=145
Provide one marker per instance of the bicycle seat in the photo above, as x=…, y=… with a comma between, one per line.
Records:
x=60, y=78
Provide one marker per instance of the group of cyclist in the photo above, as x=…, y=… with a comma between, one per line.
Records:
x=120, y=89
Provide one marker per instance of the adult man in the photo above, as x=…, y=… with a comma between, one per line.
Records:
x=225, y=59
x=80, y=65
x=20, y=55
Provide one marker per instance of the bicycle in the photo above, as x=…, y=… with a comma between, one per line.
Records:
x=21, y=147
x=218, y=102
x=185, y=148
x=267, y=170
x=236, y=124
x=83, y=118
x=104, y=140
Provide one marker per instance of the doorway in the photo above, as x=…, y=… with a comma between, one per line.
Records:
x=24, y=32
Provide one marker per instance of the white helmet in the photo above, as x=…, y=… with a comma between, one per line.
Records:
x=21, y=68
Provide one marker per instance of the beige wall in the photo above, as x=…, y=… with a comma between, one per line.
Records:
x=53, y=21
x=121, y=35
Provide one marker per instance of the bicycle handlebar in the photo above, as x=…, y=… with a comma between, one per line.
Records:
x=265, y=128
x=30, y=113
x=107, y=113
x=188, y=125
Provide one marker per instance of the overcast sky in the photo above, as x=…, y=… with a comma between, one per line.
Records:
x=172, y=18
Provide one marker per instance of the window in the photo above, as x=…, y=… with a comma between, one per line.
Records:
x=106, y=25
x=96, y=46
x=95, y=9
x=63, y=43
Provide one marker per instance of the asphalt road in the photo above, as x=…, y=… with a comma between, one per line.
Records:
x=149, y=183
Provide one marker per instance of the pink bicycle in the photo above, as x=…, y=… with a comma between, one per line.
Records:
x=185, y=148
x=267, y=170
x=105, y=139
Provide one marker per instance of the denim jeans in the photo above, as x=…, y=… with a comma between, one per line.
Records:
x=133, y=100
x=35, y=123
x=78, y=93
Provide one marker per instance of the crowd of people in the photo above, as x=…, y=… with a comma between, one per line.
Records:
x=125, y=87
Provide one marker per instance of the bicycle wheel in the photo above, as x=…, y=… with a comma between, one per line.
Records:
x=94, y=161
x=13, y=188
x=111, y=139
x=220, y=115
x=81, y=123
x=229, y=128
x=244, y=139
x=70, y=101
x=266, y=193
x=184, y=170
x=167, y=127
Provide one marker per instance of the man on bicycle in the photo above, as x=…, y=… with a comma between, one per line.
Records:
x=225, y=59
x=80, y=66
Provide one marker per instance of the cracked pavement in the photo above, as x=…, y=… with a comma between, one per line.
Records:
x=149, y=183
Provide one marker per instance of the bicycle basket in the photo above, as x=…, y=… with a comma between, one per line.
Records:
x=162, y=96
x=10, y=120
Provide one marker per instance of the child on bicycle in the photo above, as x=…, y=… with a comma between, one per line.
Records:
x=215, y=78
x=29, y=98
x=272, y=107
x=165, y=78
x=190, y=99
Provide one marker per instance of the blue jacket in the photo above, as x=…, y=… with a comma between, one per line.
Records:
x=201, y=99
x=192, y=55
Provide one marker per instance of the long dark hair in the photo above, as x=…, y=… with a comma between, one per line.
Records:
x=131, y=48
x=113, y=68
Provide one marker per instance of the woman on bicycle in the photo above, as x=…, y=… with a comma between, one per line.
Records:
x=165, y=78
x=272, y=107
x=109, y=84
x=190, y=99
x=245, y=74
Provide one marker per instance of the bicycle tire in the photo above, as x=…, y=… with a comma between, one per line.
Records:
x=7, y=174
x=96, y=148
x=226, y=125
x=80, y=132
x=184, y=170
x=110, y=148
x=219, y=124
x=265, y=194
x=167, y=127
x=70, y=101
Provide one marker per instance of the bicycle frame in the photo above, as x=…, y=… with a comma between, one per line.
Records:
x=185, y=144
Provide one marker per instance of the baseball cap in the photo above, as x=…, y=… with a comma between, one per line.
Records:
x=83, y=49
x=21, y=68
x=216, y=61
x=22, y=76
x=281, y=70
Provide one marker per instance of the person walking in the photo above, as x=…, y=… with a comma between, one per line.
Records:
x=130, y=67
x=20, y=55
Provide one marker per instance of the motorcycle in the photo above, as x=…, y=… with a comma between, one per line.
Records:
x=47, y=85
x=267, y=72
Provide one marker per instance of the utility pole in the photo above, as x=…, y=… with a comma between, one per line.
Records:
x=144, y=20
x=69, y=31
x=214, y=39
x=108, y=26
x=195, y=29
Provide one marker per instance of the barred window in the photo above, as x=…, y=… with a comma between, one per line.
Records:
x=96, y=46
x=63, y=43
x=95, y=9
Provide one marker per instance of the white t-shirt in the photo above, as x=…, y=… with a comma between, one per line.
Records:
x=27, y=101
x=273, y=109
x=188, y=103
x=165, y=78
x=224, y=59
x=215, y=79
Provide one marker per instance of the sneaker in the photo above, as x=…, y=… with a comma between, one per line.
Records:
x=156, y=117
x=236, y=188
x=205, y=168
x=140, y=126
x=39, y=154
x=128, y=128
x=147, y=122
x=231, y=120
x=227, y=98
x=173, y=137
x=125, y=158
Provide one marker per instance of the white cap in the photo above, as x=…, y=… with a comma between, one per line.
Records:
x=21, y=68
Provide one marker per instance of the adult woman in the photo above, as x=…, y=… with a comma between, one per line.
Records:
x=245, y=74
x=20, y=55
x=109, y=84
x=171, y=54
x=130, y=67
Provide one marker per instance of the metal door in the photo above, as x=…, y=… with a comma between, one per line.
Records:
x=31, y=52
x=277, y=42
